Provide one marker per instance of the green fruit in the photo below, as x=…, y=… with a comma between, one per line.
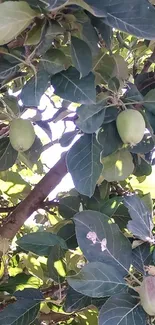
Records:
x=118, y=166
x=131, y=126
x=147, y=295
x=21, y=134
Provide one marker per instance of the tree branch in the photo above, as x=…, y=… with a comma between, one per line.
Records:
x=23, y=211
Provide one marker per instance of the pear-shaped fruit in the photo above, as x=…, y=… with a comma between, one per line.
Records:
x=22, y=134
x=131, y=126
x=147, y=295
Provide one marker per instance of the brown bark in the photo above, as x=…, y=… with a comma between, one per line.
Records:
x=32, y=202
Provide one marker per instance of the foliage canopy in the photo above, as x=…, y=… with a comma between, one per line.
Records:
x=84, y=259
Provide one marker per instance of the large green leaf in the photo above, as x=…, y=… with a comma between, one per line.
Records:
x=35, y=88
x=118, y=249
x=14, y=18
x=141, y=224
x=91, y=117
x=81, y=56
x=90, y=36
x=83, y=162
x=97, y=280
x=8, y=155
x=20, y=282
x=109, y=139
x=8, y=69
x=68, y=206
x=139, y=20
x=68, y=85
x=24, y=310
x=53, y=61
x=122, y=309
x=141, y=257
x=40, y=242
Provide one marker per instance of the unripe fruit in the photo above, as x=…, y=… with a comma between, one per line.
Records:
x=147, y=295
x=131, y=126
x=21, y=134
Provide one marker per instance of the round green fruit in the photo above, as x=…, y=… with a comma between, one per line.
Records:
x=131, y=126
x=21, y=134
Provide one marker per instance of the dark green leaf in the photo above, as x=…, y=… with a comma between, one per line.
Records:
x=110, y=206
x=109, y=139
x=67, y=232
x=118, y=248
x=146, y=145
x=76, y=301
x=33, y=294
x=40, y=242
x=91, y=117
x=141, y=257
x=122, y=309
x=20, y=312
x=67, y=138
x=90, y=36
x=141, y=224
x=34, y=152
x=143, y=168
x=81, y=56
x=8, y=155
x=7, y=69
x=149, y=101
x=104, y=30
x=56, y=256
x=50, y=32
x=121, y=217
x=53, y=61
x=83, y=162
x=97, y=280
x=132, y=94
x=68, y=206
x=68, y=85
x=139, y=23
x=34, y=89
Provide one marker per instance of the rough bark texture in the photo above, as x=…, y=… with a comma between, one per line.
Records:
x=32, y=202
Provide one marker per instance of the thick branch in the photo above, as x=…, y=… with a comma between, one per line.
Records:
x=32, y=202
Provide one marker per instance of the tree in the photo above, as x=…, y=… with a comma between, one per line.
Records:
x=89, y=258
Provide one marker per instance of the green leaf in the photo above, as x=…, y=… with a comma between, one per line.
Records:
x=118, y=166
x=68, y=85
x=104, y=30
x=23, y=311
x=81, y=56
x=53, y=61
x=140, y=23
x=144, y=146
x=141, y=257
x=20, y=282
x=149, y=101
x=97, y=280
x=67, y=138
x=67, y=232
x=109, y=139
x=14, y=18
x=40, y=242
x=34, y=35
x=83, y=162
x=13, y=184
x=141, y=224
x=118, y=248
x=104, y=65
x=122, y=309
x=90, y=36
x=50, y=32
x=35, y=88
x=142, y=168
x=8, y=155
x=91, y=117
x=68, y=206
x=110, y=206
x=8, y=69
x=56, y=265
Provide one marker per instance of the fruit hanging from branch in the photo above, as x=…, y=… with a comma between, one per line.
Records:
x=22, y=134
